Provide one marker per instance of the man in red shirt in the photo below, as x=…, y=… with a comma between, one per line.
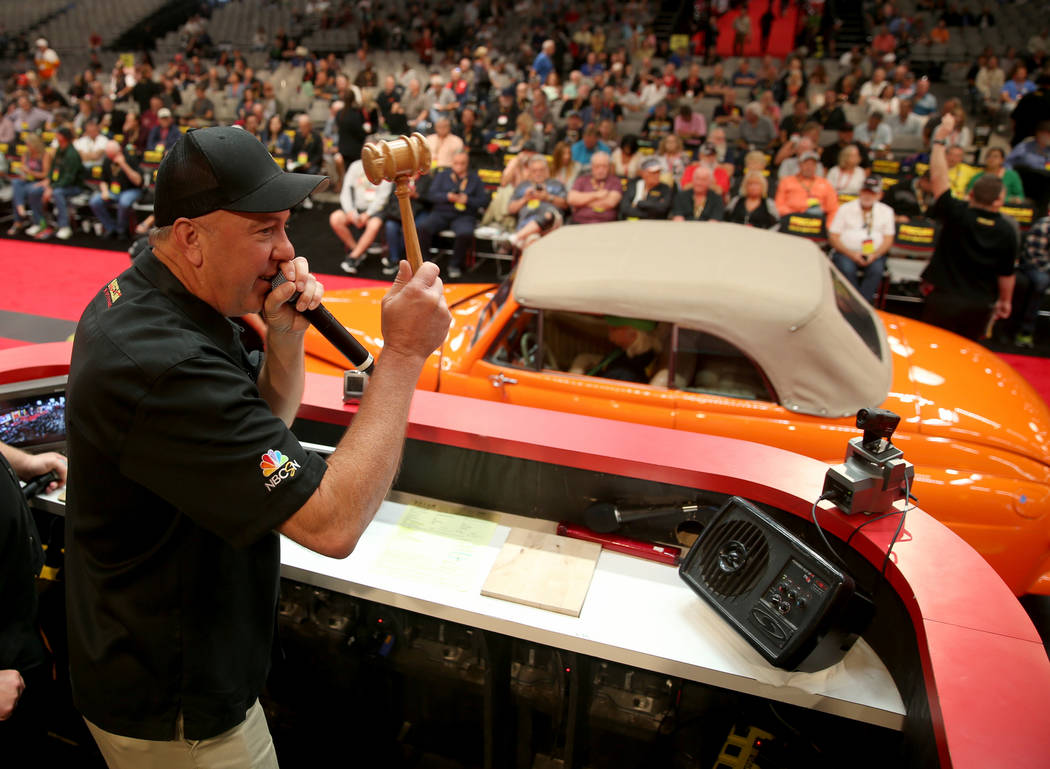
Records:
x=595, y=197
x=709, y=159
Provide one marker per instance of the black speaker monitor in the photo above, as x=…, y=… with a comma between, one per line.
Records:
x=797, y=609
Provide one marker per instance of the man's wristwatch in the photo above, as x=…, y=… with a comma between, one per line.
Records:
x=942, y=142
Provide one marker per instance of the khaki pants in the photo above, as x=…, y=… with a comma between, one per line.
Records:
x=247, y=746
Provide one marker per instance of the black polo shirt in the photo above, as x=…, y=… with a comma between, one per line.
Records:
x=975, y=248
x=21, y=558
x=179, y=474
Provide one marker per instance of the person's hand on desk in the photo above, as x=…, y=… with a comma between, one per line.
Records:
x=28, y=466
x=41, y=464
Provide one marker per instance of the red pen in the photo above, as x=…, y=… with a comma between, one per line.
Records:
x=659, y=553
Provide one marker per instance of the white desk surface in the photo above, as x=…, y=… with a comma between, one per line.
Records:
x=637, y=613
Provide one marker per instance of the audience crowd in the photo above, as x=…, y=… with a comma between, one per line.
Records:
x=590, y=119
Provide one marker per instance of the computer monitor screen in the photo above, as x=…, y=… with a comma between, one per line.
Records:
x=33, y=414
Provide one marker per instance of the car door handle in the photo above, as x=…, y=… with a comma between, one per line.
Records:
x=500, y=379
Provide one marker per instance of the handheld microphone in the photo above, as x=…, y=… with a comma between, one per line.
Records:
x=605, y=517
x=38, y=484
x=332, y=330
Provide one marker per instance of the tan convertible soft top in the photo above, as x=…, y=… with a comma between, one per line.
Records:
x=770, y=294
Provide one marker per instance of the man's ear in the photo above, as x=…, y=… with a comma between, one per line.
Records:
x=187, y=237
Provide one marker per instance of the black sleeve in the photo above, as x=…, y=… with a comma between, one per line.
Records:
x=206, y=442
x=656, y=206
x=627, y=208
x=715, y=208
x=683, y=204
x=945, y=207
x=477, y=196
x=729, y=214
x=315, y=150
x=1006, y=264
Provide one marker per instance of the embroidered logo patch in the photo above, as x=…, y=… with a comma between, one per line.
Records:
x=276, y=467
x=112, y=292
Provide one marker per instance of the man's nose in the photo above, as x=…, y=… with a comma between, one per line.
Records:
x=283, y=250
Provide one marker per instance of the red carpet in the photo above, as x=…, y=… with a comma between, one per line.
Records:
x=56, y=281
x=1035, y=370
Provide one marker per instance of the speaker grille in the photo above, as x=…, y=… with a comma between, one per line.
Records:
x=733, y=558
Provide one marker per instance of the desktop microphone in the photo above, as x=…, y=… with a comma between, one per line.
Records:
x=605, y=517
x=332, y=330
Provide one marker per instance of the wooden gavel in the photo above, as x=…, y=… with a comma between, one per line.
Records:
x=398, y=160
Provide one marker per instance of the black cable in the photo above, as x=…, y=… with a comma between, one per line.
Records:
x=795, y=731
x=893, y=540
x=820, y=531
x=900, y=526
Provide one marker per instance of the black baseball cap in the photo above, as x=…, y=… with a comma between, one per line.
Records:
x=224, y=168
x=872, y=184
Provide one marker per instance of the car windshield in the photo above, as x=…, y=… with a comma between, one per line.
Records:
x=857, y=314
x=492, y=308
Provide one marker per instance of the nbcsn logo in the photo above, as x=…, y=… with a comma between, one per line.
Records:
x=276, y=467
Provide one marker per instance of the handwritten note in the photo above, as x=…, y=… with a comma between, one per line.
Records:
x=439, y=548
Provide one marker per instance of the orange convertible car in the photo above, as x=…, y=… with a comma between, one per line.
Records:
x=741, y=332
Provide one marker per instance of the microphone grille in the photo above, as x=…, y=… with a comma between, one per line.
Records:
x=278, y=279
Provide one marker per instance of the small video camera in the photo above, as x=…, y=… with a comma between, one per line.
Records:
x=875, y=473
x=878, y=426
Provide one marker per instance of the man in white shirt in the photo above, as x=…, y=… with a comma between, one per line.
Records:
x=874, y=86
x=91, y=145
x=905, y=122
x=46, y=60
x=990, y=81
x=361, y=205
x=861, y=233
x=653, y=91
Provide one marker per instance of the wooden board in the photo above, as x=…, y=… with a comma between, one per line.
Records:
x=543, y=570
